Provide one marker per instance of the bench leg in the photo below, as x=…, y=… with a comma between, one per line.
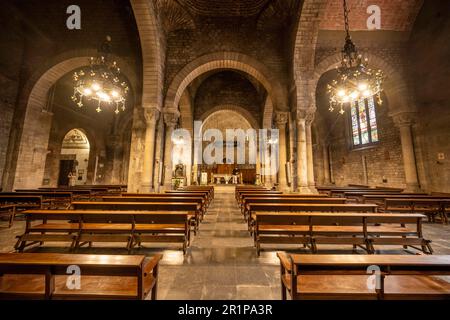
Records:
x=11, y=219
x=313, y=246
x=283, y=292
x=428, y=246
x=129, y=243
x=20, y=245
x=369, y=245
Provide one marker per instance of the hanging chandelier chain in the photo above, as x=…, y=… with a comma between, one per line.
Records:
x=346, y=22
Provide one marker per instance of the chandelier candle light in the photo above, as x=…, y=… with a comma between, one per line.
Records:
x=355, y=81
x=101, y=82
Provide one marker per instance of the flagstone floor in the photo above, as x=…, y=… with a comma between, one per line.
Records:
x=221, y=262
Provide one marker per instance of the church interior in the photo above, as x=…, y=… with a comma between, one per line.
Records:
x=225, y=149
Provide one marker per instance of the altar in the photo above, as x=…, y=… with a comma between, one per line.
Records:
x=224, y=178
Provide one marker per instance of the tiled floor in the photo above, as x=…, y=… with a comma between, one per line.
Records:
x=221, y=262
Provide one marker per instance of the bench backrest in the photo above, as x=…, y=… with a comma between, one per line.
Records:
x=147, y=206
x=34, y=199
x=293, y=200
x=153, y=199
x=318, y=207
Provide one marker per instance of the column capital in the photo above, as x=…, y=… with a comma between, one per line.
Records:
x=171, y=119
x=151, y=115
x=306, y=115
x=404, y=119
x=281, y=119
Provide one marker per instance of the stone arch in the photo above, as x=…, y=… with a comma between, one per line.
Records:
x=304, y=50
x=224, y=60
x=397, y=92
x=306, y=37
x=28, y=145
x=152, y=53
x=242, y=111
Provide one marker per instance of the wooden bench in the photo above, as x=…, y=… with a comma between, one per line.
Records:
x=203, y=196
x=46, y=276
x=9, y=211
x=193, y=208
x=53, y=200
x=359, y=196
x=357, y=229
x=347, y=277
x=194, y=193
x=247, y=201
x=254, y=208
x=380, y=198
x=342, y=193
x=81, y=227
x=430, y=207
x=199, y=200
x=244, y=196
x=22, y=202
x=77, y=194
x=210, y=189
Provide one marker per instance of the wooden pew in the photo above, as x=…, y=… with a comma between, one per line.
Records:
x=191, y=207
x=210, y=189
x=357, y=229
x=53, y=199
x=199, y=200
x=238, y=189
x=430, y=207
x=347, y=276
x=204, y=196
x=358, y=196
x=286, y=200
x=22, y=202
x=45, y=276
x=241, y=196
x=342, y=192
x=276, y=194
x=254, y=208
x=197, y=193
x=9, y=211
x=77, y=194
x=80, y=227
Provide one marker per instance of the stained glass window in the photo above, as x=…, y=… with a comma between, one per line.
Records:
x=364, y=122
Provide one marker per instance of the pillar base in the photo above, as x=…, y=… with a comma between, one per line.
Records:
x=313, y=189
x=305, y=190
x=412, y=187
x=146, y=188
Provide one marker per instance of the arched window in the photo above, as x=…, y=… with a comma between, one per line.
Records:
x=364, y=122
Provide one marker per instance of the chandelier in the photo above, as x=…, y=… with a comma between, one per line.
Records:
x=101, y=82
x=355, y=81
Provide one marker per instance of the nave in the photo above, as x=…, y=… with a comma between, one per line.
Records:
x=221, y=262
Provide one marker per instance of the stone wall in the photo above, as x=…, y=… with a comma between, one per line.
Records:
x=227, y=88
x=383, y=160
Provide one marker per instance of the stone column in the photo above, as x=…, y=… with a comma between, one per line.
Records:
x=281, y=119
x=158, y=154
x=302, y=159
x=404, y=122
x=326, y=164
x=258, y=167
x=171, y=120
x=151, y=116
x=309, y=151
